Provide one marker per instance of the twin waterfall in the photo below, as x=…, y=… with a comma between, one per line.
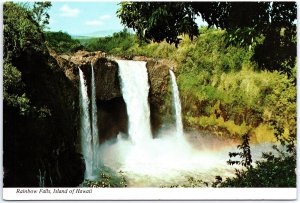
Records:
x=135, y=89
x=88, y=127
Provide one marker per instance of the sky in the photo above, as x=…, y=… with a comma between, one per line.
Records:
x=82, y=18
x=86, y=18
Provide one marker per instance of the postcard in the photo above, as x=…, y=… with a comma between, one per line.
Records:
x=149, y=100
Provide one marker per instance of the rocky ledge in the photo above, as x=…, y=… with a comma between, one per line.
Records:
x=106, y=72
x=110, y=103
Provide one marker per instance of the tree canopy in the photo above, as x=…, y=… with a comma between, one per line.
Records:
x=62, y=42
x=268, y=27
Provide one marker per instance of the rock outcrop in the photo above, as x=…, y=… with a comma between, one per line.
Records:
x=41, y=146
x=160, y=93
x=112, y=115
x=106, y=71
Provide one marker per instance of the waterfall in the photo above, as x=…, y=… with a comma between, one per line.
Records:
x=95, y=137
x=85, y=127
x=177, y=105
x=135, y=90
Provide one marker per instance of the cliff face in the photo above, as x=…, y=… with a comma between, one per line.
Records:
x=111, y=108
x=106, y=72
x=40, y=144
x=112, y=115
x=160, y=94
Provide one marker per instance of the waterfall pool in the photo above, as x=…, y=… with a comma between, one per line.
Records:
x=168, y=160
x=173, y=157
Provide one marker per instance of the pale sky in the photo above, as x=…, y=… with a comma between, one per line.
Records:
x=79, y=18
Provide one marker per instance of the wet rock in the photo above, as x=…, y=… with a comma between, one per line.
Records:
x=106, y=72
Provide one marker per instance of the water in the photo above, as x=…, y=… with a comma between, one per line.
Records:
x=135, y=90
x=168, y=161
x=177, y=105
x=85, y=127
x=95, y=136
x=173, y=155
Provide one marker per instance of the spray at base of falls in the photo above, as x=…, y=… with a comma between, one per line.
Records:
x=167, y=160
x=177, y=105
x=135, y=90
x=88, y=130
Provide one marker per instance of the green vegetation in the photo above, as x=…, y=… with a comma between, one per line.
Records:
x=273, y=171
x=62, y=42
x=219, y=84
x=267, y=26
x=116, y=44
x=22, y=35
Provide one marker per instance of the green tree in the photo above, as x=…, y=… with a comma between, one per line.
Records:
x=159, y=21
x=40, y=14
x=268, y=26
x=119, y=43
x=21, y=32
x=62, y=42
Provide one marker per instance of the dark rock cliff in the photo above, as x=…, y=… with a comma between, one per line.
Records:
x=40, y=146
x=112, y=114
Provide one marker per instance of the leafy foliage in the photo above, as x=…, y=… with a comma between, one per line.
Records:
x=158, y=21
x=62, y=42
x=21, y=32
x=268, y=26
x=273, y=171
x=116, y=44
x=245, y=155
x=39, y=13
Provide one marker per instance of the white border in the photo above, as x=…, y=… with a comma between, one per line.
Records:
x=156, y=194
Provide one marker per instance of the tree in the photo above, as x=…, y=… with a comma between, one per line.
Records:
x=21, y=32
x=159, y=21
x=40, y=14
x=267, y=27
x=62, y=42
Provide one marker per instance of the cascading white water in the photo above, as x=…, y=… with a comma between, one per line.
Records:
x=168, y=159
x=135, y=90
x=95, y=141
x=85, y=127
x=177, y=105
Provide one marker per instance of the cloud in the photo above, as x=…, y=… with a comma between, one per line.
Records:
x=99, y=21
x=68, y=11
x=94, y=22
x=105, y=17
